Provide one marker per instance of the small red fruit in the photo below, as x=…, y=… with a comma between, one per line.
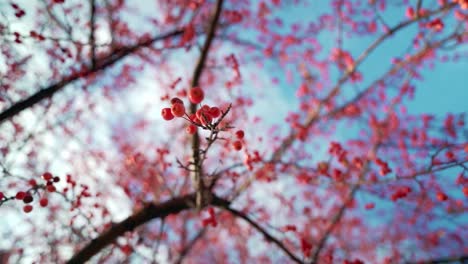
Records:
x=44, y=202
x=240, y=134
x=191, y=129
x=215, y=112
x=178, y=110
x=20, y=195
x=27, y=208
x=51, y=188
x=32, y=182
x=167, y=114
x=204, y=117
x=28, y=199
x=196, y=95
x=47, y=176
x=237, y=145
x=292, y=228
x=194, y=118
x=1, y=196
x=205, y=109
x=441, y=196
x=176, y=100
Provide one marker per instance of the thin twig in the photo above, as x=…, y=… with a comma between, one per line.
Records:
x=217, y=201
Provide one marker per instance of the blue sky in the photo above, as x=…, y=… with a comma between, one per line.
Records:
x=444, y=89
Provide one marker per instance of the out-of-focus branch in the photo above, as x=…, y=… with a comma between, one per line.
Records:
x=101, y=64
x=314, y=116
x=149, y=212
x=220, y=202
x=339, y=215
x=454, y=259
x=334, y=221
x=64, y=26
x=190, y=245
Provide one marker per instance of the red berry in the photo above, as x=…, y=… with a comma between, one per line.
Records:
x=292, y=228
x=196, y=95
x=27, y=208
x=215, y=112
x=167, y=114
x=205, y=109
x=442, y=196
x=28, y=199
x=1, y=196
x=56, y=179
x=51, y=188
x=20, y=195
x=465, y=191
x=178, y=110
x=450, y=155
x=47, y=176
x=176, y=100
x=194, y=118
x=44, y=202
x=240, y=134
x=204, y=117
x=32, y=182
x=191, y=129
x=237, y=145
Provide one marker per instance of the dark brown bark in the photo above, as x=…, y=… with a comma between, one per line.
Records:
x=149, y=212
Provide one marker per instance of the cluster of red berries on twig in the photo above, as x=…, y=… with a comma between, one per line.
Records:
x=205, y=117
x=27, y=196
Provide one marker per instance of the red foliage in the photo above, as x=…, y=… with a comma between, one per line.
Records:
x=291, y=135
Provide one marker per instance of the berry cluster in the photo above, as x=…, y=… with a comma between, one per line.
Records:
x=211, y=220
x=27, y=196
x=205, y=117
x=202, y=118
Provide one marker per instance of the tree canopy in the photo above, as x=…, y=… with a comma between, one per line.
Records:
x=233, y=131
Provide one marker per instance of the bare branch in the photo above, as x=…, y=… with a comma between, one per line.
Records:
x=91, y=33
x=226, y=205
x=453, y=259
x=197, y=175
x=149, y=212
x=190, y=245
x=102, y=64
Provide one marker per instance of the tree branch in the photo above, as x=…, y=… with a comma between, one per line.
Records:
x=197, y=175
x=92, y=40
x=190, y=245
x=149, y=212
x=335, y=220
x=313, y=116
x=102, y=64
x=220, y=202
x=454, y=259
